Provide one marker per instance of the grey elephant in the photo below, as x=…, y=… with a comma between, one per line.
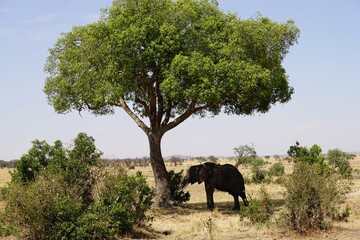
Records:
x=225, y=178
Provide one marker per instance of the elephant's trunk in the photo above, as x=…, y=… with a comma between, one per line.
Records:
x=185, y=182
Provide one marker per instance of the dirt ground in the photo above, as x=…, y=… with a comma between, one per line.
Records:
x=193, y=221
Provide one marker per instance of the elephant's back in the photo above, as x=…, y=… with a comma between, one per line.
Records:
x=232, y=170
x=232, y=180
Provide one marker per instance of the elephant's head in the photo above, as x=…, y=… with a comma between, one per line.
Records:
x=198, y=173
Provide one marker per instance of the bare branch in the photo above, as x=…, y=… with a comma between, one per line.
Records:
x=137, y=120
x=168, y=113
x=191, y=110
x=160, y=104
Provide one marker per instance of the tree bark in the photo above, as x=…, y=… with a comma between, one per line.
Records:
x=163, y=196
x=155, y=133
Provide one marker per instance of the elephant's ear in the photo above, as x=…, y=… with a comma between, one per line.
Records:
x=192, y=175
x=204, y=172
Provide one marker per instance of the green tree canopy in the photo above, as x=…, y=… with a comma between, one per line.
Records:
x=165, y=61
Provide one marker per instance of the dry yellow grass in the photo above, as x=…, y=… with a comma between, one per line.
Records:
x=4, y=176
x=193, y=221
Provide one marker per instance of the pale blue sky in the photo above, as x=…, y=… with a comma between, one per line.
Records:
x=323, y=68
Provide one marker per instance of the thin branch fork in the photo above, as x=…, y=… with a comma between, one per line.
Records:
x=137, y=120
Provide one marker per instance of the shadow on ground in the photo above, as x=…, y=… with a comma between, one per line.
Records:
x=186, y=209
x=191, y=208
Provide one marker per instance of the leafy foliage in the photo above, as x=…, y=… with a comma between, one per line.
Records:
x=175, y=187
x=312, y=156
x=315, y=189
x=129, y=195
x=259, y=210
x=189, y=52
x=123, y=201
x=258, y=172
x=74, y=164
x=31, y=163
x=58, y=199
x=312, y=198
x=339, y=162
x=35, y=208
x=277, y=169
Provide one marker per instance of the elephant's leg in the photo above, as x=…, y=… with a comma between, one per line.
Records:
x=243, y=196
x=209, y=196
x=236, y=202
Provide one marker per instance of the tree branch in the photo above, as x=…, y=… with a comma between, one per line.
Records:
x=191, y=110
x=160, y=104
x=168, y=113
x=144, y=104
x=137, y=120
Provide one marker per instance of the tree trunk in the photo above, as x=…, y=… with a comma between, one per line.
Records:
x=163, y=196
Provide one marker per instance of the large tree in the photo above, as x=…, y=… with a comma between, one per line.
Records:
x=166, y=60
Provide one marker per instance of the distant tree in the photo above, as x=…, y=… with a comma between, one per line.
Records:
x=175, y=160
x=201, y=159
x=244, y=154
x=312, y=156
x=2, y=164
x=164, y=61
x=339, y=161
x=212, y=159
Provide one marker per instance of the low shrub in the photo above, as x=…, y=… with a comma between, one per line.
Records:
x=258, y=175
x=259, y=210
x=59, y=201
x=312, y=199
x=6, y=229
x=339, y=161
x=258, y=172
x=312, y=156
x=127, y=198
x=344, y=214
x=34, y=208
x=175, y=187
x=277, y=169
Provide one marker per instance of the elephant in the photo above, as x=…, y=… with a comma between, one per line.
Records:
x=226, y=178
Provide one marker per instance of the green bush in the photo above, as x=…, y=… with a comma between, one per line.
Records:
x=339, y=161
x=259, y=210
x=127, y=198
x=312, y=199
x=312, y=156
x=6, y=229
x=35, y=208
x=94, y=224
x=175, y=187
x=277, y=169
x=258, y=173
x=59, y=199
x=32, y=163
